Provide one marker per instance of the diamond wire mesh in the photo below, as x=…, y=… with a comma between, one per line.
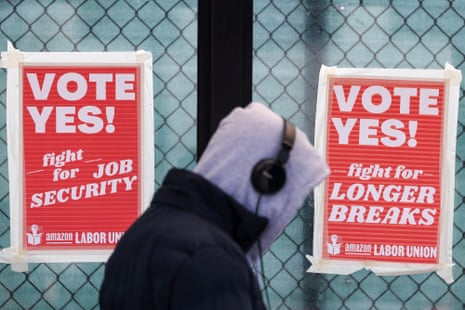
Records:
x=291, y=40
x=166, y=28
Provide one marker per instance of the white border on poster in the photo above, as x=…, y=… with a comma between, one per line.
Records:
x=453, y=79
x=16, y=255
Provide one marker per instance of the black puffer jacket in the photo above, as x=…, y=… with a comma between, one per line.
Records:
x=185, y=252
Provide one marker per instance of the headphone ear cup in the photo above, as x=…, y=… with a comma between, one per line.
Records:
x=268, y=176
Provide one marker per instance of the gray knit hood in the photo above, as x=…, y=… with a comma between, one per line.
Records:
x=246, y=136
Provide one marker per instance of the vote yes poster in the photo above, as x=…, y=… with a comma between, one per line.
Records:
x=80, y=151
x=388, y=136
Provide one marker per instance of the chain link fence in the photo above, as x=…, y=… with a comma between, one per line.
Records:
x=291, y=40
x=168, y=29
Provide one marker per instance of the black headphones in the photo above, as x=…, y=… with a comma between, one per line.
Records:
x=269, y=175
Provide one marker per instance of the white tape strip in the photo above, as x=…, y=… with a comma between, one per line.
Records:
x=13, y=57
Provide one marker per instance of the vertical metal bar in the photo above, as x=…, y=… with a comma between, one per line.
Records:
x=224, y=62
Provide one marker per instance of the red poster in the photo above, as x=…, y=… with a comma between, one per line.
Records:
x=81, y=128
x=80, y=152
x=384, y=150
x=389, y=139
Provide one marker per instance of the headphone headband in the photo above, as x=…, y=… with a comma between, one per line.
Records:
x=287, y=142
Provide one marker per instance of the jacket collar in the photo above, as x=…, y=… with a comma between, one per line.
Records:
x=193, y=193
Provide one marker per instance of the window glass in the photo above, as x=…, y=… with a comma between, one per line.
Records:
x=292, y=39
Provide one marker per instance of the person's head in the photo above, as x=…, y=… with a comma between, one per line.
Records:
x=239, y=155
